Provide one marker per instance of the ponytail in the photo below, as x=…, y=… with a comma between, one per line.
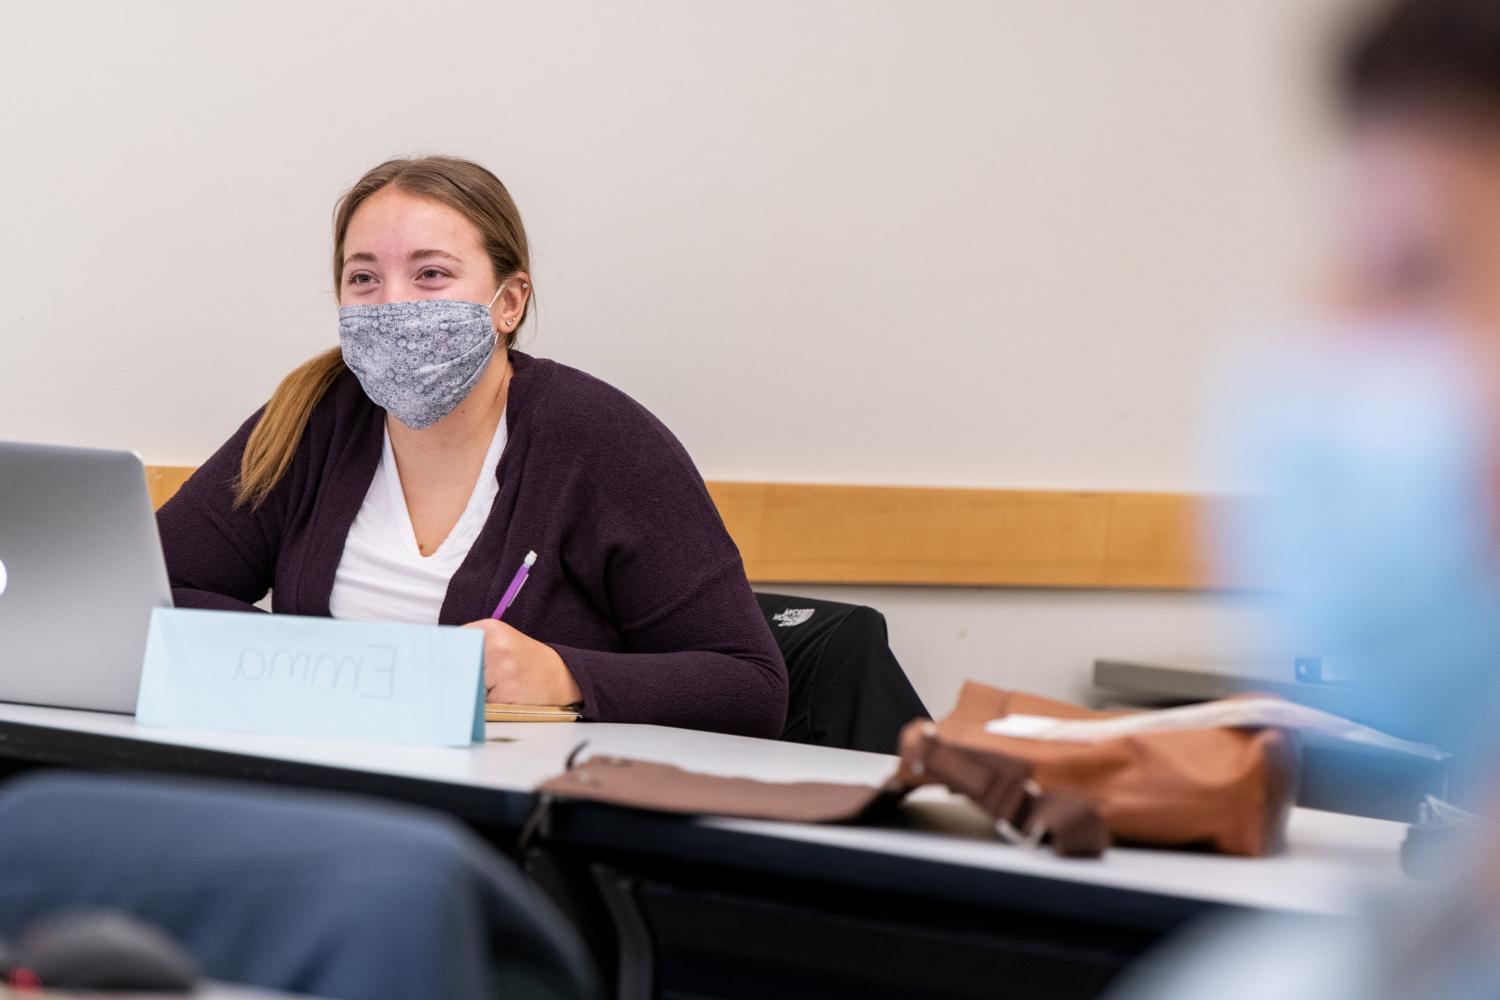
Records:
x=268, y=453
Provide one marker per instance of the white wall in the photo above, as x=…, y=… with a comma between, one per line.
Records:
x=981, y=243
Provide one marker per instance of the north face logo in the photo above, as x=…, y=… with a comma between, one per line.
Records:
x=793, y=616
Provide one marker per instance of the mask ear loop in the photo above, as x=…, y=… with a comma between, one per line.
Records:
x=496, y=296
x=510, y=324
x=524, y=286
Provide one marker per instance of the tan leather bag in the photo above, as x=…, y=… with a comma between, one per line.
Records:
x=1230, y=790
x=1227, y=789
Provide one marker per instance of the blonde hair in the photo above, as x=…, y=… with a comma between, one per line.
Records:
x=463, y=186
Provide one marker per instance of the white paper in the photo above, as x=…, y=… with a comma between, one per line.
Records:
x=1234, y=712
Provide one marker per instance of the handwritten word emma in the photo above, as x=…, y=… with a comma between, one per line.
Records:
x=371, y=674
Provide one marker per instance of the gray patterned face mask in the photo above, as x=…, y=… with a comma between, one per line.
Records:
x=418, y=360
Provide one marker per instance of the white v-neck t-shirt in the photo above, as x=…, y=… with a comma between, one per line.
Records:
x=382, y=575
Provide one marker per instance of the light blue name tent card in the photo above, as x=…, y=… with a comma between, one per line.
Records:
x=291, y=675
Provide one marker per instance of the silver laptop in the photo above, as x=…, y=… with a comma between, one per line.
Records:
x=81, y=568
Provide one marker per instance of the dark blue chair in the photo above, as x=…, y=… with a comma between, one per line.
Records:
x=317, y=894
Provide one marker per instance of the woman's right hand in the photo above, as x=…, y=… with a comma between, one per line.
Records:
x=519, y=670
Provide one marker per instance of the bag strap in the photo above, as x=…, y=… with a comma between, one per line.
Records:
x=1002, y=786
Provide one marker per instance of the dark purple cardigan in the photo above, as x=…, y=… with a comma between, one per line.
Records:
x=637, y=584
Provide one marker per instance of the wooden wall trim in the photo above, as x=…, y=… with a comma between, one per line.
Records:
x=964, y=537
x=164, y=480
x=900, y=535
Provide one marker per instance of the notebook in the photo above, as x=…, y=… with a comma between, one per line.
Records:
x=499, y=712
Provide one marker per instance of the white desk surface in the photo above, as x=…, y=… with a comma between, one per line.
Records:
x=1330, y=861
x=517, y=756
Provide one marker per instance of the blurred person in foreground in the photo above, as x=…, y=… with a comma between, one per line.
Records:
x=1381, y=448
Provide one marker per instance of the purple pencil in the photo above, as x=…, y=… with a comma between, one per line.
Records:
x=516, y=583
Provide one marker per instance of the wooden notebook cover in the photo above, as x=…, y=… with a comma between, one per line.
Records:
x=499, y=712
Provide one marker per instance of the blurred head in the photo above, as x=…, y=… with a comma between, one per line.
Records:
x=1420, y=83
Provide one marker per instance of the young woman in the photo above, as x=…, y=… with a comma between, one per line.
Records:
x=406, y=474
